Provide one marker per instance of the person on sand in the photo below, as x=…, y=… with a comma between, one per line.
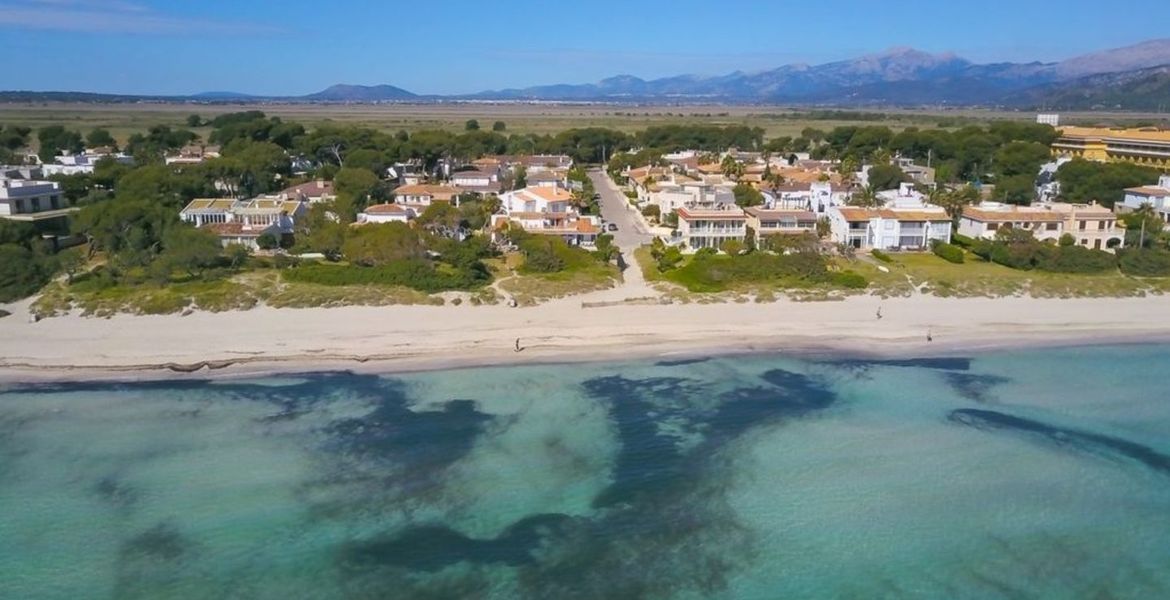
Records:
x=929, y=337
x=879, y=313
x=518, y=348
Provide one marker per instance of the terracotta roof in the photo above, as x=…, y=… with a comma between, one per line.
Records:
x=233, y=229
x=387, y=209
x=549, y=193
x=914, y=215
x=422, y=189
x=854, y=214
x=311, y=189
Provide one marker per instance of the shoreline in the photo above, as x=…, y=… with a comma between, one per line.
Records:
x=398, y=339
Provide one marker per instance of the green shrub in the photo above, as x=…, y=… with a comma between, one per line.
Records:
x=963, y=241
x=709, y=272
x=850, y=280
x=882, y=256
x=1144, y=263
x=418, y=274
x=949, y=252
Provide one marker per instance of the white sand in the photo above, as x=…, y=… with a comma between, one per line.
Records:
x=421, y=337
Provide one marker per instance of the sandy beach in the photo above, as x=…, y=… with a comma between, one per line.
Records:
x=402, y=338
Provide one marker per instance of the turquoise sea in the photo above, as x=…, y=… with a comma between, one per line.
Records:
x=1024, y=474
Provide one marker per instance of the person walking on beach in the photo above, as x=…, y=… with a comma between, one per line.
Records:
x=518, y=348
x=929, y=337
x=879, y=313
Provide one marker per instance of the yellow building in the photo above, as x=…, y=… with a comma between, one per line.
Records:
x=1146, y=147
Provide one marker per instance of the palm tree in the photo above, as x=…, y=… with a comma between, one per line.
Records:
x=866, y=197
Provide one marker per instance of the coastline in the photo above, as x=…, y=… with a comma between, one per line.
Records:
x=268, y=341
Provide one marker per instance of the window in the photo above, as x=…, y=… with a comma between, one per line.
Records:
x=1101, y=225
x=36, y=205
x=1082, y=225
x=993, y=226
x=1052, y=226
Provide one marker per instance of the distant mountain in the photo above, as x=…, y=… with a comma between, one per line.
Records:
x=1153, y=53
x=359, y=93
x=1143, y=89
x=222, y=96
x=898, y=77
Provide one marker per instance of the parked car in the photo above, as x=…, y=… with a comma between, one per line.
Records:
x=612, y=227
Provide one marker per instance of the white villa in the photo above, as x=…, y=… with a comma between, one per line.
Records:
x=479, y=181
x=701, y=228
x=1157, y=196
x=817, y=197
x=889, y=228
x=31, y=200
x=1093, y=225
x=386, y=213
x=81, y=164
x=243, y=221
x=420, y=196
x=546, y=210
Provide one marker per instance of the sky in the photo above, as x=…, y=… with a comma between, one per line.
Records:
x=293, y=47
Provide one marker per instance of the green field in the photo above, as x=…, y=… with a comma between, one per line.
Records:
x=124, y=119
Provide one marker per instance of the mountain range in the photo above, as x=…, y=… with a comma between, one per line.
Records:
x=1135, y=77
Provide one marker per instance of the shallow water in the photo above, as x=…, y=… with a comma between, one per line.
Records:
x=1039, y=474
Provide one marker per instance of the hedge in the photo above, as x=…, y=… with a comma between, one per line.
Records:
x=949, y=252
x=882, y=256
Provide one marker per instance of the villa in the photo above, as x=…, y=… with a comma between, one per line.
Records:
x=545, y=210
x=386, y=213
x=700, y=228
x=30, y=200
x=244, y=221
x=478, y=181
x=312, y=192
x=1092, y=225
x=895, y=228
x=420, y=196
x=767, y=222
x=1156, y=196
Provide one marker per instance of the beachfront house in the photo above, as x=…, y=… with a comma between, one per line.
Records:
x=545, y=210
x=766, y=222
x=244, y=221
x=1091, y=225
x=893, y=228
x=700, y=228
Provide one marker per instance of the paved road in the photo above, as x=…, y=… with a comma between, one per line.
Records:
x=615, y=208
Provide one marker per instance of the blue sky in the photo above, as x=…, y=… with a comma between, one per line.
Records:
x=295, y=47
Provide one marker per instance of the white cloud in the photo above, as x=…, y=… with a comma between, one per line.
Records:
x=111, y=16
